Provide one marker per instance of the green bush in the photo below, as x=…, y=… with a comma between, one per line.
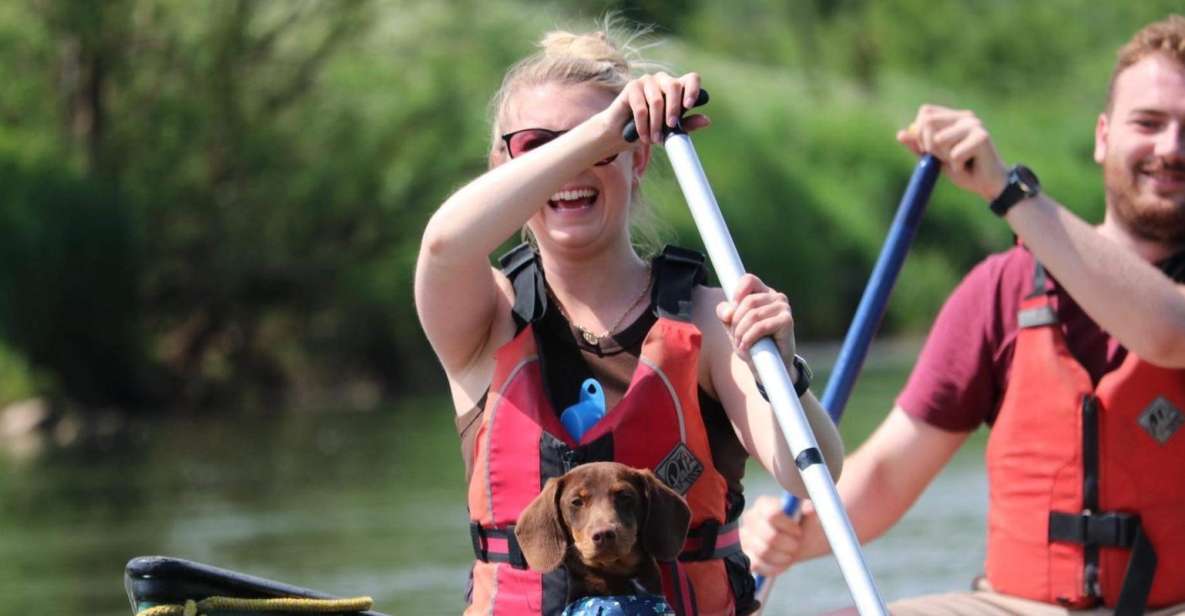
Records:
x=219, y=203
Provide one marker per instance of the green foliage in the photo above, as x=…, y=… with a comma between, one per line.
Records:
x=220, y=202
x=68, y=272
x=17, y=380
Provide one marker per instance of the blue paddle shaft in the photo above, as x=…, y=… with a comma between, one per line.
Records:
x=880, y=286
x=874, y=301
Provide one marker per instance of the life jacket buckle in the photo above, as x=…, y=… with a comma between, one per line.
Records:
x=1111, y=529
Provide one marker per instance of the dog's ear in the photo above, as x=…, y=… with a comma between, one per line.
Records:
x=667, y=518
x=540, y=531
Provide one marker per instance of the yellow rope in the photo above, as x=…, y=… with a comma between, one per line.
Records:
x=285, y=604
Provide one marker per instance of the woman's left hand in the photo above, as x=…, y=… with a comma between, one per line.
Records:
x=656, y=100
x=757, y=311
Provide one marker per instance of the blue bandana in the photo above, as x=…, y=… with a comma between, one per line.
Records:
x=622, y=605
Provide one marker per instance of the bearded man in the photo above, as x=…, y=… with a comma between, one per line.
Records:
x=1071, y=346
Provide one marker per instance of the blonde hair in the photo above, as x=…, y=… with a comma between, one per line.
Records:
x=1165, y=37
x=607, y=58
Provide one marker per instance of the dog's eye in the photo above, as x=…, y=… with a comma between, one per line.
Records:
x=625, y=498
x=576, y=503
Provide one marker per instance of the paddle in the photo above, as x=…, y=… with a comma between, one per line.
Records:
x=786, y=406
x=871, y=310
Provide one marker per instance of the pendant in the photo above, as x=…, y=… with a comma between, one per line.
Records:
x=588, y=336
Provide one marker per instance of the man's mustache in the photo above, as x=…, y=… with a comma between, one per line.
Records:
x=1175, y=165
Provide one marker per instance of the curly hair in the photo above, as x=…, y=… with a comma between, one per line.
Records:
x=1165, y=37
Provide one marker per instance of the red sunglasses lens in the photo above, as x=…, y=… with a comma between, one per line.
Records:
x=527, y=140
x=523, y=141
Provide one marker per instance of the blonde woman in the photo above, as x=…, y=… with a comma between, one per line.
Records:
x=579, y=310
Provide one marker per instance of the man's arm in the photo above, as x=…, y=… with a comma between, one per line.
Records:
x=880, y=482
x=1105, y=269
x=1107, y=280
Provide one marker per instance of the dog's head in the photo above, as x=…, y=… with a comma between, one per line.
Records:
x=610, y=515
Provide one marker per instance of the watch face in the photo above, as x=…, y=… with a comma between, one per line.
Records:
x=1026, y=179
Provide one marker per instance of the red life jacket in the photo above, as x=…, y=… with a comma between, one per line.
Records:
x=657, y=425
x=1086, y=481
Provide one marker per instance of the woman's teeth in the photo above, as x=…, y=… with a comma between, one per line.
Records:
x=578, y=197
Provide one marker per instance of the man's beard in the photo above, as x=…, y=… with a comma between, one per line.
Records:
x=1145, y=214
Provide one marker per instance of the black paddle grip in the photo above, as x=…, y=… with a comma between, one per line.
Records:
x=630, y=132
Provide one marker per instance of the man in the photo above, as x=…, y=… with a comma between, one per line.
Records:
x=1072, y=347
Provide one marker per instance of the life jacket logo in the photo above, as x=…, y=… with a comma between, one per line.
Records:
x=1161, y=419
x=679, y=469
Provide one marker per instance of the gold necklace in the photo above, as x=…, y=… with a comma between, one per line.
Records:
x=588, y=334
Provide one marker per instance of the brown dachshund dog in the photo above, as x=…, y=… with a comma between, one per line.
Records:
x=607, y=523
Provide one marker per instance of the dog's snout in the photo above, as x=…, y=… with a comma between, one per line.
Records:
x=603, y=537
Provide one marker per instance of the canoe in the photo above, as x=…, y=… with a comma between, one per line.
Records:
x=161, y=586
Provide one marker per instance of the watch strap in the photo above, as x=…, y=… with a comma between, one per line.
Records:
x=1022, y=184
x=801, y=384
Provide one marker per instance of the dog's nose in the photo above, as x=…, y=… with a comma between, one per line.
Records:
x=603, y=537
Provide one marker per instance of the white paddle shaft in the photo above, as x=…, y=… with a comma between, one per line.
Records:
x=786, y=406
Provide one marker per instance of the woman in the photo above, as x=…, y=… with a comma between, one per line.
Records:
x=668, y=354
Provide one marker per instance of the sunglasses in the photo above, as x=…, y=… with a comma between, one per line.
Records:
x=521, y=141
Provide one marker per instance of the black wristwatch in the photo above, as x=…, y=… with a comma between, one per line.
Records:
x=803, y=382
x=804, y=375
x=1022, y=184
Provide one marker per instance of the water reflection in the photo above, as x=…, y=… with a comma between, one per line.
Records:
x=355, y=504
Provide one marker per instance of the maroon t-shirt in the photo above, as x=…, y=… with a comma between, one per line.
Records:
x=963, y=369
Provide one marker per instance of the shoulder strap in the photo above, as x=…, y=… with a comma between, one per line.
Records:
x=1041, y=314
x=521, y=266
x=677, y=272
x=1040, y=278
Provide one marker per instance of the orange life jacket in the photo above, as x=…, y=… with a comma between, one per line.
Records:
x=1086, y=482
x=657, y=425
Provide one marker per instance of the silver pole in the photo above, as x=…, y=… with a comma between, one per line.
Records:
x=787, y=409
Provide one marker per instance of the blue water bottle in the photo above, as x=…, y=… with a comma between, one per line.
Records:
x=588, y=410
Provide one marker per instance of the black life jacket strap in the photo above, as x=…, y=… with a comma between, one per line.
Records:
x=521, y=266
x=1137, y=580
x=1099, y=529
x=677, y=272
x=1113, y=530
x=711, y=540
x=496, y=545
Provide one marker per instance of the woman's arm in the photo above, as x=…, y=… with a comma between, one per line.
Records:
x=728, y=335
x=457, y=293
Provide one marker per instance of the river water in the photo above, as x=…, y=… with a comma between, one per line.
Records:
x=365, y=504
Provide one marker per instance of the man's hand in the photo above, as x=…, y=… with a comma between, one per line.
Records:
x=959, y=140
x=770, y=538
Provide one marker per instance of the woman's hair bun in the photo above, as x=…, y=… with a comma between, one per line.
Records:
x=592, y=46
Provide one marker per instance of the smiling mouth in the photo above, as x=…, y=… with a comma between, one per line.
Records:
x=1172, y=178
x=574, y=199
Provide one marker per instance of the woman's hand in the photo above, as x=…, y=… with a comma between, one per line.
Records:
x=771, y=539
x=958, y=139
x=757, y=311
x=653, y=101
